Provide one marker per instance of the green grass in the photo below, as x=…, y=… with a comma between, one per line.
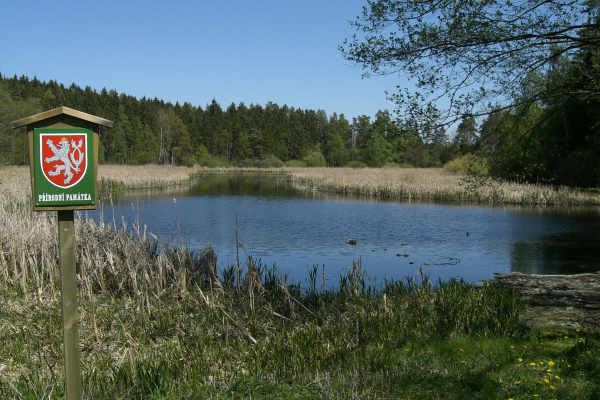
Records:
x=273, y=341
x=206, y=339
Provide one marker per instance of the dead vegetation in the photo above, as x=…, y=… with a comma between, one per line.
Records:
x=435, y=185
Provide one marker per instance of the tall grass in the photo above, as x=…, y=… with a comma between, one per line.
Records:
x=151, y=176
x=159, y=322
x=435, y=185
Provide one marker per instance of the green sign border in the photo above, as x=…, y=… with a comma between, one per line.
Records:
x=82, y=195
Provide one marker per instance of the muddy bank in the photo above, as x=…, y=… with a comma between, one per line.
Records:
x=554, y=301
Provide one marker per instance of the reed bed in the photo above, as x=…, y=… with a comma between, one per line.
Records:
x=162, y=322
x=151, y=176
x=435, y=185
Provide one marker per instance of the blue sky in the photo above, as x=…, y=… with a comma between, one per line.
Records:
x=255, y=51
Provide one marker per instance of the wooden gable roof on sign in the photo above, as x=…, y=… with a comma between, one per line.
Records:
x=63, y=117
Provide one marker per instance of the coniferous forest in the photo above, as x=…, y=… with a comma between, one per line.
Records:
x=539, y=144
x=153, y=131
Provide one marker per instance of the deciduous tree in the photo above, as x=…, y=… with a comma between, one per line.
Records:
x=471, y=57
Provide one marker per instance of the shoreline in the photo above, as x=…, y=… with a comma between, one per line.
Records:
x=567, y=301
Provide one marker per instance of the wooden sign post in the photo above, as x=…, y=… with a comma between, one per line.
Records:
x=63, y=161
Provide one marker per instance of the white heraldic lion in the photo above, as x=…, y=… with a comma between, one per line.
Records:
x=64, y=154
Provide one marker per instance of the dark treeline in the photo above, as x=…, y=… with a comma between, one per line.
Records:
x=153, y=131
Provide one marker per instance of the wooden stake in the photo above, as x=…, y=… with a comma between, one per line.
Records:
x=68, y=282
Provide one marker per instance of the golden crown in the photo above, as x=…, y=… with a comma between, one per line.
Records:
x=64, y=138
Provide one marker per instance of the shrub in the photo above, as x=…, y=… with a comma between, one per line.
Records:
x=213, y=161
x=356, y=164
x=246, y=163
x=396, y=165
x=188, y=161
x=296, y=163
x=269, y=162
x=201, y=151
x=315, y=159
x=468, y=164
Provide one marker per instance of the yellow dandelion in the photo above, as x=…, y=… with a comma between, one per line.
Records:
x=482, y=367
x=512, y=347
x=541, y=363
x=464, y=362
x=539, y=382
x=550, y=363
x=546, y=380
x=524, y=346
x=552, y=387
x=576, y=330
x=520, y=359
x=556, y=377
x=532, y=364
x=461, y=349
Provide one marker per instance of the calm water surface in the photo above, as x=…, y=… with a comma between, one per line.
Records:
x=297, y=228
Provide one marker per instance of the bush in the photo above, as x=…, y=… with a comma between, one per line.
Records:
x=356, y=164
x=396, y=165
x=246, y=163
x=296, y=163
x=315, y=159
x=468, y=164
x=213, y=161
x=269, y=162
x=188, y=161
x=201, y=151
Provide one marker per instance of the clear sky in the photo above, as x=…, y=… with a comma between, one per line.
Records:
x=251, y=51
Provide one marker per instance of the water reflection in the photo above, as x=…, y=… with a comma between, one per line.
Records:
x=296, y=228
x=567, y=252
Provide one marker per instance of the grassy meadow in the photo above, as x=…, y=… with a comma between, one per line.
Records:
x=161, y=322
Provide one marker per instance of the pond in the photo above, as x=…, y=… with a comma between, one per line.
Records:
x=297, y=229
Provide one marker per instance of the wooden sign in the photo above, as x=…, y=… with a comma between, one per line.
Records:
x=63, y=161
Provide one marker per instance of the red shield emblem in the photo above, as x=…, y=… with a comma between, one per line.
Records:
x=63, y=158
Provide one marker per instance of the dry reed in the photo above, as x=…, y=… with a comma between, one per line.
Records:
x=113, y=264
x=109, y=260
x=149, y=176
x=435, y=185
